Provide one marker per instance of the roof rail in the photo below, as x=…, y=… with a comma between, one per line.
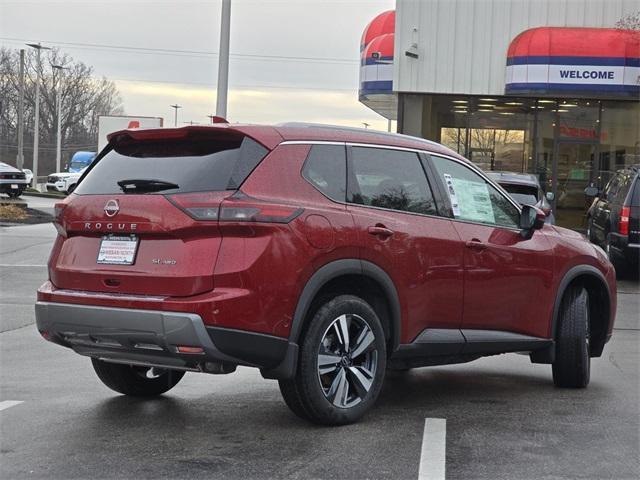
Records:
x=355, y=129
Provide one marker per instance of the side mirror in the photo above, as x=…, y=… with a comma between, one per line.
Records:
x=550, y=196
x=591, y=191
x=531, y=219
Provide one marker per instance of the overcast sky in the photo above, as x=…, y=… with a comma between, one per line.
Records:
x=290, y=59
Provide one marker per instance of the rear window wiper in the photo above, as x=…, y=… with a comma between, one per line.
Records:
x=135, y=185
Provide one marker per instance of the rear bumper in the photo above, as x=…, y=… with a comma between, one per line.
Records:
x=621, y=247
x=7, y=187
x=152, y=337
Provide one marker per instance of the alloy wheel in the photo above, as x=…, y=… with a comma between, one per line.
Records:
x=347, y=360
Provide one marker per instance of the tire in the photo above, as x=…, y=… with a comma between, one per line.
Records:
x=136, y=381
x=353, y=370
x=572, y=365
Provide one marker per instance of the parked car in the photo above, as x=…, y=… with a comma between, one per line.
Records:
x=525, y=189
x=28, y=175
x=613, y=220
x=63, y=182
x=12, y=181
x=321, y=255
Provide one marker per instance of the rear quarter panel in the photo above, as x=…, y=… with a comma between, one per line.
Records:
x=272, y=263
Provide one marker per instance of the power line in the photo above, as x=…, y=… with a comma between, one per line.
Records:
x=237, y=86
x=189, y=53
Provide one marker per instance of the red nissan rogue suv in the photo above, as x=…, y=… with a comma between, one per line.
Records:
x=323, y=256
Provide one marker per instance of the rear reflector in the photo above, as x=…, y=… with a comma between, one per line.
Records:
x=623, y=225
x=185, y=349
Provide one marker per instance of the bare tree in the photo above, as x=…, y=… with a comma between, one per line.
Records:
x=629, y=22
x=83, y=99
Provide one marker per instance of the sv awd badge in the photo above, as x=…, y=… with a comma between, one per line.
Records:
x=163, y=261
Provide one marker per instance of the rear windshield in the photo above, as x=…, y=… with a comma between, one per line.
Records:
x=185, y=165
x=523, y=194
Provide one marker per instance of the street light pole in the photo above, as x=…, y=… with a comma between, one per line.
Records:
x=20, y=157
x=223, y=60
x=59, y=69
x=36, y=126
x=175, y=115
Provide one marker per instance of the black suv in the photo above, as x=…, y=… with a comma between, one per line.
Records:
x=613, y=220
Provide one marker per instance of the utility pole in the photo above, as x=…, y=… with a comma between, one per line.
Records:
x=175, y=115
x=59, y=69
x=36, y=126
x=20, y=157
x=223, y=60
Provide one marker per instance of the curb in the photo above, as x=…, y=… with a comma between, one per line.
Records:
x=45, y=195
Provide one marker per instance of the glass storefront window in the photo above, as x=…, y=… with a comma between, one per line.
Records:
x=567, y=143
x=619, y=138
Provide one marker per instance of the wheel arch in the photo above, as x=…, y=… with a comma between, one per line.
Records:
x=599, y=305
x=373, y=284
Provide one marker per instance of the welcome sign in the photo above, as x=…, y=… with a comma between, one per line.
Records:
x=596, y=61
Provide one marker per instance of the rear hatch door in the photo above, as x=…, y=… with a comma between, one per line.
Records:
x=143, y=219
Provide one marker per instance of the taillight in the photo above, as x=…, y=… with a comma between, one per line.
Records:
x=256, y=211
x=209, y=206
x=623, y=225
x=58, y=214
x=201, y=206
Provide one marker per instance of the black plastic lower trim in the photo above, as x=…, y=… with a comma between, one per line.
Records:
x=443, y=346
x=255, y=348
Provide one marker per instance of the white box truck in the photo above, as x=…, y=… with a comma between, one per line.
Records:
x=112, y=123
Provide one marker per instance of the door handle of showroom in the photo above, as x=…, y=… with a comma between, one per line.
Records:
x=476, y=244
x=380, y=231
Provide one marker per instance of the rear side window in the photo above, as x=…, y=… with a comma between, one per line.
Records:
x=390, y=179
x=326, y=169
x=178, y=166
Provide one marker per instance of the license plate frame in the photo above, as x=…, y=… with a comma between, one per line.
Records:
x=120, y=249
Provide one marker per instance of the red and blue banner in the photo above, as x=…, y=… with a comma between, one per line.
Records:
x=599, y=62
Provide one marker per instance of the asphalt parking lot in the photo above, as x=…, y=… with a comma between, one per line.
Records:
x=504, y=418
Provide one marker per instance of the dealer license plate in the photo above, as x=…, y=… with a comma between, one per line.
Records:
x=118, y=249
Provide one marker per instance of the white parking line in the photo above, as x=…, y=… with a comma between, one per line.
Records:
x=432, y=457
x=9, y=403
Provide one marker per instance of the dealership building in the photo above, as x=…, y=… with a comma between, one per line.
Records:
x=549, y=87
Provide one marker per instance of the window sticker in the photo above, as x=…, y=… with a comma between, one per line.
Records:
x=472, y=200
x=448, y=179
